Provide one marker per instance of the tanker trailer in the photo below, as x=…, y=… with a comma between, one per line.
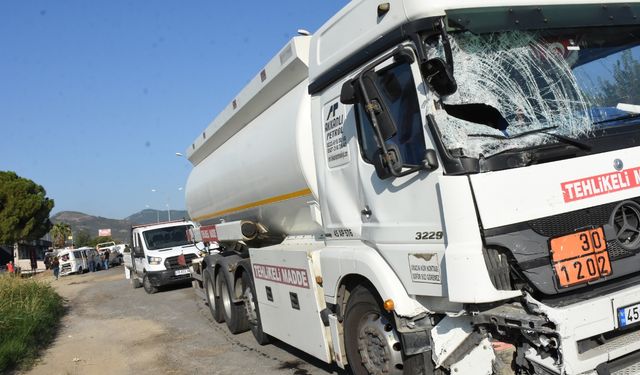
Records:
x=255, y=160
x=434, y=187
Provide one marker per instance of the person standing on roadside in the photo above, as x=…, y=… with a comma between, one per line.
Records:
x=106, y=259
x=92, y=261
x=34, y=262
x=55, y=265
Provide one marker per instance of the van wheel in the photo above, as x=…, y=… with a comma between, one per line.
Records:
x=146, y=283
x=234, y=314
x=212, y=299
x=252, y=310
x=372, y=343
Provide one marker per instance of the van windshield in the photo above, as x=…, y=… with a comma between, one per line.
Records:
x=516, y=87
x=163, y=238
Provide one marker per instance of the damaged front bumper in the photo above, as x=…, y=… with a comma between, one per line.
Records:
x=592, y=340
x=528, y=336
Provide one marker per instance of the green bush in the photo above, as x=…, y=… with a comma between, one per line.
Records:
x=29, y=315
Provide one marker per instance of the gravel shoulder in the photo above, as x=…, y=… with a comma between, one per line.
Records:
x=111, y=328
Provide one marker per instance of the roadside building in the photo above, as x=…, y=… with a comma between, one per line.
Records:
x=25, y=252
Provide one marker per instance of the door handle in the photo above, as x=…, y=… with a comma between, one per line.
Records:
x=366, y=211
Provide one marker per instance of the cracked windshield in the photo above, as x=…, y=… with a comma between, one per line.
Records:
x=523, y=89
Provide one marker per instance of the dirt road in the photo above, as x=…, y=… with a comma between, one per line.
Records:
x=112, y=328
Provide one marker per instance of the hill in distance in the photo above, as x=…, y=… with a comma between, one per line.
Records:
x=120, y=228
x=153, y=216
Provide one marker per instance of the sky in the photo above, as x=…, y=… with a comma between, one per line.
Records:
x=96, y=97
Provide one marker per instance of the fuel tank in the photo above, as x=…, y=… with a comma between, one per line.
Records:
x=255, y=160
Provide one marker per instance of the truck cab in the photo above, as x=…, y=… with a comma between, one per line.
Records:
x=160, y=255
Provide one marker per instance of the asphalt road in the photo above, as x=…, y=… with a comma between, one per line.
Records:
x=112, y=328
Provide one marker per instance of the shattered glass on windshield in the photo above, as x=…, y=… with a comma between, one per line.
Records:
x=527, y=80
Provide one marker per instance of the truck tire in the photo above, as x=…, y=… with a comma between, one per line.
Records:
x=234, y=314
x=146, y=283
x=212, y=299
x=252, y=310
x=371, y=341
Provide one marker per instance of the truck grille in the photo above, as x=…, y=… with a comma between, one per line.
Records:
x=171, y=263
x=557, y=225
x=528, y=243
x=633, y=369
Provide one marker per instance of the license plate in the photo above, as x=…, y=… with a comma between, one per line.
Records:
x=628, y=315
x=580, y=257
x=182, y=272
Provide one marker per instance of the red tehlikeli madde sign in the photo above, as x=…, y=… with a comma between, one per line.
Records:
x=601, y=184
x=283, y=275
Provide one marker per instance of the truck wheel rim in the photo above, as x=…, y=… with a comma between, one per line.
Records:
x=379, y=346
x=211, y=294
x=226, y=299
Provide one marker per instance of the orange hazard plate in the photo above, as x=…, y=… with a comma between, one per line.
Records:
x=580, y=257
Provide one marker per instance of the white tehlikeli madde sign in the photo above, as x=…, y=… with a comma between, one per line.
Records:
x=334, y=138
x=425, y=268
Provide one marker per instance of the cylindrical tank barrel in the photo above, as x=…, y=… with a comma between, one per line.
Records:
x=265, y=172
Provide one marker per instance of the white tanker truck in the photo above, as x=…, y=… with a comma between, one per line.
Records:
x=434, y=187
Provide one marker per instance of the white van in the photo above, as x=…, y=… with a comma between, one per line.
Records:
x=73, y=260
x=160, y=255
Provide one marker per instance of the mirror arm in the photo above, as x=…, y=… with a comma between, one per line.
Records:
x=448, y=54
x=374, y=122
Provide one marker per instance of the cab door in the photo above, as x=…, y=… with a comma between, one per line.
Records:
x=137, y=254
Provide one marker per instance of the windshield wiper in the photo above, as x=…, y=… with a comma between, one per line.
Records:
x=500, y=136
x=628, y=116
x=570, y=141
x=562, y=138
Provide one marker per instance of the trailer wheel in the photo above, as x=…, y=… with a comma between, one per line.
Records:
x=212, y=299
x=252, y=310
x=146, y=283
x=372, y=342
x=233, y=313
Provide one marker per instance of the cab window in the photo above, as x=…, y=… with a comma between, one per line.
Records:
x=398, y=91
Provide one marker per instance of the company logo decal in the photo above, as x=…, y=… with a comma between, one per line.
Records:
x=283, y=275
x=601, y=184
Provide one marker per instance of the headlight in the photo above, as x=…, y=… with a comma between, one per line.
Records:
x=154, y=260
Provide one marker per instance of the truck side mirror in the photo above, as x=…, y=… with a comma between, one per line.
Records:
x=377, y=107
x=439, y=76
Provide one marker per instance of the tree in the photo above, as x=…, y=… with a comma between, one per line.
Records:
x=82, y=238
x=624, y=87
x=59, y=233
x=24, y=209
